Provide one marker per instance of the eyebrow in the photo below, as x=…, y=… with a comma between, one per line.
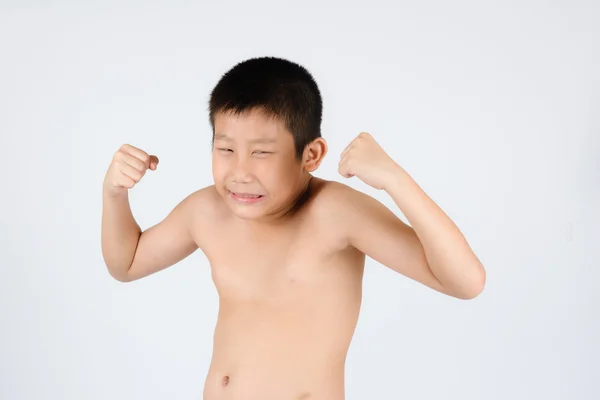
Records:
x=222, y=136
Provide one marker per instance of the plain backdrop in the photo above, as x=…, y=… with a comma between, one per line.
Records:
x=493, y=107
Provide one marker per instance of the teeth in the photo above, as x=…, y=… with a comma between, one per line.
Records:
x=248, y=196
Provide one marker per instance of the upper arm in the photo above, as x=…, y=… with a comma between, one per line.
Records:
x=167, y=242
x=376, y=231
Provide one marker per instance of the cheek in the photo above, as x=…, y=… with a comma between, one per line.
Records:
x=219, y=169
x=279, y=179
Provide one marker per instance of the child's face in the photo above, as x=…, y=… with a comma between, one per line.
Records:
x=254, y=164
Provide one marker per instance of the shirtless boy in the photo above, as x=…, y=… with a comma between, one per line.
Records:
x=286, y=249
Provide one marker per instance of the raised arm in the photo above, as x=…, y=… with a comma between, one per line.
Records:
x=432, y=250
x=128, y=252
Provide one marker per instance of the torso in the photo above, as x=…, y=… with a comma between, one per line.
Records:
x=289, y=303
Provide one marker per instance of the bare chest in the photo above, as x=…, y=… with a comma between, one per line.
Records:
x=271, y=268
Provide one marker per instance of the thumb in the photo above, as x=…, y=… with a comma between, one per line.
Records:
x=153, y=162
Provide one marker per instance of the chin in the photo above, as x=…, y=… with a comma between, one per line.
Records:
x=247, y=214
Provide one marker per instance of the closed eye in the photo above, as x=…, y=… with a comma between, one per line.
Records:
x=225, y=150
x=259, y=152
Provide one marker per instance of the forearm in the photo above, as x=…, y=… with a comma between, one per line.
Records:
x=448, y=254
x=120, y=234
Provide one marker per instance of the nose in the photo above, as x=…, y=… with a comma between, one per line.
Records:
x=242, y=172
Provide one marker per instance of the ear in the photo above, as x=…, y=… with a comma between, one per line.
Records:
x=313, y=154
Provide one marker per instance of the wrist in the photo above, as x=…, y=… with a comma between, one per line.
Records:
x=397, y=177
x=112, y=192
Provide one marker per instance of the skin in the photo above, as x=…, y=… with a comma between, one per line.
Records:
x=288, y=269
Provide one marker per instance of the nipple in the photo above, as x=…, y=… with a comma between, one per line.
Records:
x=225, y=380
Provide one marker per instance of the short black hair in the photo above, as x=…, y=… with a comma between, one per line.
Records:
x=280, y=88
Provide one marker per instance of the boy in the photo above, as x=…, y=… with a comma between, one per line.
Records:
x=286, y=249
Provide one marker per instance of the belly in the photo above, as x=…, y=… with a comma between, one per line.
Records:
x=280, y=352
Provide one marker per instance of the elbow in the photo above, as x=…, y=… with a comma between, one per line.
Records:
x=122, y=278
x=475, y=286
x=120, y=275
x=118, y=270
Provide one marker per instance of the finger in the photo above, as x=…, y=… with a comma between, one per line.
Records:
x=347, y=156
x=133, y=161
x=344, y=169
x=138, y=153
x=342, y=161
x=125, y=181
x=131, y=172
x=347, y=149
x=153, y=162
x=345, y=173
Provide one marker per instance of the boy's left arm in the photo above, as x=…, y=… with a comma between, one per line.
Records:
x=432, y=250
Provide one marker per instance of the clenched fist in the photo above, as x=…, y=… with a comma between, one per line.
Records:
x=128, y=166
x=365, y=159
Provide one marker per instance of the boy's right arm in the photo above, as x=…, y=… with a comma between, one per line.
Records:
x=128, y=252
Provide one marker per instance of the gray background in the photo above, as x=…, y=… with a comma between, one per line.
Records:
x=493, y=107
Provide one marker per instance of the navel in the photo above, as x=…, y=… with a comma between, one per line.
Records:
x=225, y=380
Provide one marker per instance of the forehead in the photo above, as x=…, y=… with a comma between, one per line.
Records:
x=254, y=125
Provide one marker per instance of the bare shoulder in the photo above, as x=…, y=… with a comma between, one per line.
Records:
x=207, y=211
x=191, y=209
x=205, y=197
x=205, y=205
x=338, y=206
x=336, y=198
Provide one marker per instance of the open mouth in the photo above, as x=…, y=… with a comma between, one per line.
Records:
x=246, y=197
